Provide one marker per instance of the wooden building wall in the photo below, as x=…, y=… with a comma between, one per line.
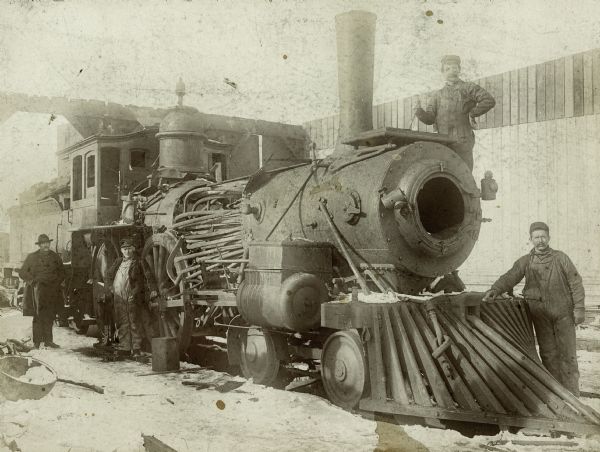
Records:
x=542, y=141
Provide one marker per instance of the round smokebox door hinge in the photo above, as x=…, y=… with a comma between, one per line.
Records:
x=256, y=209
x=352, y=208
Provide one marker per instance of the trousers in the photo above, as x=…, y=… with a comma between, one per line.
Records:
x=558, y=348
x=45, y=299
x=134, y=324
x=465, y=150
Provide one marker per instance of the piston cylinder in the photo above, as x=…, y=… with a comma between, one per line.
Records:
x=284, y=284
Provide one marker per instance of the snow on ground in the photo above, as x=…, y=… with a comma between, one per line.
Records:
x=72, y=418
x=75, y=419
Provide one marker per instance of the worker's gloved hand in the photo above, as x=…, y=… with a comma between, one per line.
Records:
x=468, y=106
x=490, y=295
x=153, y=294
x=579, y=316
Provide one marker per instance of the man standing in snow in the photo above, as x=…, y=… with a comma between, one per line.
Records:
x=453, y=108
x=44, y=271
x=125, y=279
x=555, y=296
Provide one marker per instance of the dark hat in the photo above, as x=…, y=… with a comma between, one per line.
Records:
x=43, y=238
x=450, y=59
x=537, y=226
x=126, y=241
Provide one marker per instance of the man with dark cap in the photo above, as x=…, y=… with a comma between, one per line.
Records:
x=555, y=296
x=125, y=280
x=44, y=271
x=453, y=108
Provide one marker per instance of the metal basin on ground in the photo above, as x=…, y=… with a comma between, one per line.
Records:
x=12, y=371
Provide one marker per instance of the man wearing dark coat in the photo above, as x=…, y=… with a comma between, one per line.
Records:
x=126, y=282
x=44, y=271
x=555, y=297
x=453, y=109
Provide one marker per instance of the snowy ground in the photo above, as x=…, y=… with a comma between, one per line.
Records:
x=75, y=419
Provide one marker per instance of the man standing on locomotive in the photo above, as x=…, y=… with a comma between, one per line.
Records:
x=125, y=279
x=453, y=109
x=44, y=271
x=555, y=296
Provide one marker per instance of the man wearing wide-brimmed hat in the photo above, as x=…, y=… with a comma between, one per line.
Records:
x=453, y=108
x=44, y=271
x=555, y=297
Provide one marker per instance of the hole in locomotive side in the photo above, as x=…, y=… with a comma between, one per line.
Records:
x=441, y=207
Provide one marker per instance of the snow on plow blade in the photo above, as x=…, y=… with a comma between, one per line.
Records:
x=449, y=358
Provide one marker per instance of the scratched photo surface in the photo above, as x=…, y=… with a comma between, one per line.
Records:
x=71, y=70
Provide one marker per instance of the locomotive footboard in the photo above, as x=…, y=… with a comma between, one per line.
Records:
x=448, y=358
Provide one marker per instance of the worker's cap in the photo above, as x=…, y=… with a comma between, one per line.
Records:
x=43, y=238
x=126, y=242
x=448, y=59
x=538, y=226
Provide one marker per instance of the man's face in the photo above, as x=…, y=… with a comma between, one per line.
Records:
x=127, y=251
x=540, y=239
x=451, y=71
x=44, y=247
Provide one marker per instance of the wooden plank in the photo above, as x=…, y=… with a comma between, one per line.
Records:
x=491, y=88
x=531, y=94
x=482, y=120
x=498, y=109
x=492, y=378
x=479, y=417
x=523, y=92
x=387, y=114
x=596, y=79
x=569, y=86
x=559, y=88
x=506, y=99
x=578, y=85
x=395, y=380
x=514, y=97
x=380, y=116
x=400, y=110
x=549, y=90
x=540, y=399
x=408, y=114
x=400, y=337
x=540, y=75
x=394, y=114
x=404, y=316
x=375, y=359
x=336, y=128
x=588, y=83
x=522, y=392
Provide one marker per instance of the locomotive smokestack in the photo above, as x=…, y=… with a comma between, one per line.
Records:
x=355, y=32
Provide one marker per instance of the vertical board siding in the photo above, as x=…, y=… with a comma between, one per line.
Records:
x=540, y=75
x=578, y=85
x=549, y=90
x=559, y=89
x=588, y=91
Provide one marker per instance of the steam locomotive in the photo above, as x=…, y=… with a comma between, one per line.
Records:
x=323, y=265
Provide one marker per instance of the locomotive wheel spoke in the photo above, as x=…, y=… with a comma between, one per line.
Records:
x=175, y=322
x=258, y=357
x=344, y=368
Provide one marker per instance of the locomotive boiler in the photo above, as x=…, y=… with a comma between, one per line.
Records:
x=322, y=267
